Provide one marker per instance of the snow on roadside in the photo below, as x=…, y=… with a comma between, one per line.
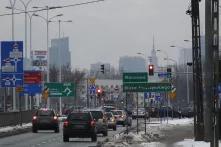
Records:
x=153, y=134
x=11, y=128
x=192, y=143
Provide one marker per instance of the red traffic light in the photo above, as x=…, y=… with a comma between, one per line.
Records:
x=151, y=70
x=99, y=90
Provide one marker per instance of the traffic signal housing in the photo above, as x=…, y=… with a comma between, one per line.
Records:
x=102, y=68
x=151, y=70
x=169, y=72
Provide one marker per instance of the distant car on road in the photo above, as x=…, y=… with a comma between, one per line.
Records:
x=101, y=121
x=45, y=119
x=121, y=117
x=79, y=124
x=140, y=114
x=112, y=122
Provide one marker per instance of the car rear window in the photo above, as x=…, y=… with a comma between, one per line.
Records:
x=108, y=115
x=117, y=112
x=79, y=116
x=97, y=114
x=45, y=113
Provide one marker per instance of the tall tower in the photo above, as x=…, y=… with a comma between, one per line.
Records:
x=153, y=58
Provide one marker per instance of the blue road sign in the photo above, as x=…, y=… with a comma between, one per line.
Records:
x=219, y=88
x=146, y=95
x=12, y=63
x=92, y=89
x=163, y=75
x=32, y=89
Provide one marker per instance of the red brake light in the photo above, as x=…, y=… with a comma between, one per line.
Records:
x=92, y=123
x=66, y=123
x=34, y=117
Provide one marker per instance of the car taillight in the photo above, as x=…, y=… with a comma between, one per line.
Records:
x=34, y=118
x=66, y=123
x=92, y=123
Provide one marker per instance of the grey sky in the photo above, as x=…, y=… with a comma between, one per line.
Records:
x=107, y=30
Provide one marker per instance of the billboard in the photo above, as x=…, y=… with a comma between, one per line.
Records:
x=39, y=60
x=32, y=77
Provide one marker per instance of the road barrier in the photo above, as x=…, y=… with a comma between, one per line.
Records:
x=15, y=118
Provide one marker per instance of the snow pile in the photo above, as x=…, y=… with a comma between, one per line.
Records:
x=192, y=143
x=17, y=127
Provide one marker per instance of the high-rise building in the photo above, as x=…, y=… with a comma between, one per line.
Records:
x=132, y=64
x=185, y=55
x=59, y=52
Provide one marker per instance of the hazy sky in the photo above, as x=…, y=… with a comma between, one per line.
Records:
x=107, y=30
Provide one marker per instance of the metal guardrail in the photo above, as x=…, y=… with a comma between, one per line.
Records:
x=15, y=118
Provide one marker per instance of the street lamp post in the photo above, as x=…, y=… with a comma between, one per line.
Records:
x=187, y=73
x=12, y=4
x=48, y=20
x=168, y=100
x=60, y=66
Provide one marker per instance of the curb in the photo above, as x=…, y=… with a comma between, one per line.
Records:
x=15, y=132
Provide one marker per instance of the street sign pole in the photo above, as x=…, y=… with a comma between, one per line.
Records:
x=137, y=114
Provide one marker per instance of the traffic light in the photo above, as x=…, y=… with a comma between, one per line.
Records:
x=151, y=70
x=99, y=92
x=169, y=70
x=102, y=68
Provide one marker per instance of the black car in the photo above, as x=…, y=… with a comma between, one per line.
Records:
x=79, y=125
x=45, y=119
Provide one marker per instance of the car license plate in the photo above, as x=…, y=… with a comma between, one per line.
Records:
x=79, y=126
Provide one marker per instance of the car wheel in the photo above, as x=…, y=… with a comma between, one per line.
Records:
x=56, y=130
x=124, y=123
x=115, y=128
x=65, y=138
x=94, y=138
x=105, y=133
x=34, y=130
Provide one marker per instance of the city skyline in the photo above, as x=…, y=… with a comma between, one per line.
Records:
x=127, y=30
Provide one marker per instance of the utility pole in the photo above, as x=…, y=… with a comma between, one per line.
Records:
x=212, y=71
x=215, y=51
x=197, y=71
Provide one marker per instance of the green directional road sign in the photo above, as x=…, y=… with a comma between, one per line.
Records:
x=146, y=87
x=60, y=89
x=139, y=77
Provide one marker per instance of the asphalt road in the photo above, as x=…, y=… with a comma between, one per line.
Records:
x=51, y=139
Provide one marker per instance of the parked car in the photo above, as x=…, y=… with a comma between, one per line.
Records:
x=121, y=117
x=101, y=121
x=45, y=119
x=111, y=121
x=79, y=125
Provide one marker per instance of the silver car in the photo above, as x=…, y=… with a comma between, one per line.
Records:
x=101, y=121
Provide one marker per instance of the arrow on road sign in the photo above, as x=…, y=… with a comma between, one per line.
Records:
x=67, y=89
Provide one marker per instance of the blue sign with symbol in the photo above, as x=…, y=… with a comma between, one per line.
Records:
x=12, y=63
x=92, y=89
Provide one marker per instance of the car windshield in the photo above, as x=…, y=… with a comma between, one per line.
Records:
x=97, y=114
x=45, y=113
x=79, y=116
